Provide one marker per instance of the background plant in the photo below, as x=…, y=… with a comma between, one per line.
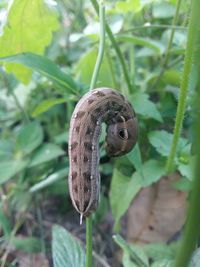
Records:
x=48, y=53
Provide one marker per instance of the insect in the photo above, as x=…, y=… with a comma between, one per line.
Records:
x=97, y=106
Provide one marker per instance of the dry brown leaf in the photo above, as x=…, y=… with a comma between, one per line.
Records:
x=157, y=212
x=36, y=260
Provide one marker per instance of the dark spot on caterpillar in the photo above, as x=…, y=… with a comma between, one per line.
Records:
x=108, y=106
x=100, y=93
x=98, y=110
x=74, y=145
x=75, y=187
x=88, y=146
x=88, y=131
x=86, y=176
x=75, y=159
x=93, y=119
x=90, y=101
x=78, y=128
x=86, y=189
x=85, y=159
x=151, y=228
x=74, y=175
x=80, y=114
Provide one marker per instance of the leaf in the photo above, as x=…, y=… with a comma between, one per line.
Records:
x=133, y=256
x=10, y=168
x=172, y=77
x=135, y=157
x=157, y=213
x=159, y=251
x=155, y=45
x=127, y=187
x=163, y=10
x=4, y=222
x=28, y=28
x=152, y=170
x=26, y=244
x=85, y=73
x=46, y=153
x=67, y=251
x=162, y=140
x=45, y=67
x=49, y=180
x=46, y=105
x=29, y=138
x=128, y=6
x=145, y=107
x=163, y=263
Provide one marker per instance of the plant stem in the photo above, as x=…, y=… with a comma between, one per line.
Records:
x=192, y=230
x=101, y=45
x=167, y=53
x=117, y=49
x=183, y=91
x=175, y=19
x=89, y=242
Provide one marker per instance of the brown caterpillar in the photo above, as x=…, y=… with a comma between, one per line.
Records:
x=94, y=108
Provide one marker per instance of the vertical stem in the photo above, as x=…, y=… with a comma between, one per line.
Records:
x=92, y=85
x=89, y=242
x=192, y=230
x=183, y=90
x=175, y=19
x=101, y=45
x=117, y=49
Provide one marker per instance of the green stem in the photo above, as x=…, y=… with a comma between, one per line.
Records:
x=167, y=53
x=183, y=92
x=89, y=242
x=101, y=45
x=192, y=230
x=117, y=49
x=175, y=19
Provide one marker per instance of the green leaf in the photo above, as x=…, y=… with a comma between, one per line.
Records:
x=135, y=157
x=163, y=263
x=67, y=251
x=28, y=28
x=45, y=67
x=47, y=104
x=187, y=170
x=133, y=256
x=172, y=77
x=128, y=6
x=145, y=107
x=127, y=187
x=85, y=73
x=26, y=244
x=163, y=10
x=10, y=168
x=4, y=222
x=29, y=138
x=46, y=153
x=49, y=180
x=152, y=171
x=159, y=251
x=162, y=140
x=155, y=45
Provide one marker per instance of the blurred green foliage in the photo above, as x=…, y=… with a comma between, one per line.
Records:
x=47, y=52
